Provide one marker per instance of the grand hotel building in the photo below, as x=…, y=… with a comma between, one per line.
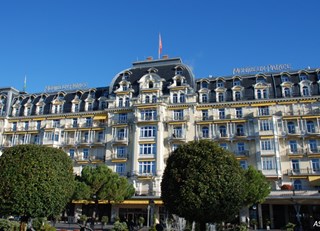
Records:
x=268, y=120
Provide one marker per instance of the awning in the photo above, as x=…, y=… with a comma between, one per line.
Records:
x=100, y=117
x=314, y=180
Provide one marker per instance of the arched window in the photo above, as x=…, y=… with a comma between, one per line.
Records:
x=236, y=82
x=310, y=127
x=259, y=95
x=127, y=102
x=237, y=95
x=205, y=132
x=305, y=91
x=220, y=97
x=154, y=99
x=287, y=92
x=265, y=93
x=204, y=98
x=147, y=99
x=297, y=185
x=150, y=84
x=182, y=98
x=223, y=131
x=120, y=102
x=175, y=98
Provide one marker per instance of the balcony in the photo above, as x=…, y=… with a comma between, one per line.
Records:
x=120, y=157
x=203, y=118
x=177, y=118
x=244, y=153
x=177, y=137
x=147, y=118
x=302, y=171
x=120, y=139
x=89, y=160
x=295, y=152
x=118, y=121
x=313, y=152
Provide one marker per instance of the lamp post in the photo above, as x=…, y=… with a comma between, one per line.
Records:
x=95, y=211
x=297, y=207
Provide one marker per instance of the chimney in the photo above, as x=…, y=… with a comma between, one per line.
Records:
x=165, y=56
x=149, y=58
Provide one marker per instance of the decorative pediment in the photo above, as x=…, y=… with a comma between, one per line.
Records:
x=220, y=89
x=261, y=85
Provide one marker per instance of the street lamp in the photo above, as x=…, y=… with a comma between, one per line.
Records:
x=297, y=207
x=150, y=213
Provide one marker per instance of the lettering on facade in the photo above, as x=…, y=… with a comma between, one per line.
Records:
x=316, y=224
x=66, y=87
x=258, y=69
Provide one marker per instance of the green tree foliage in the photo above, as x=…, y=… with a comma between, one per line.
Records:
x=101, y=182
x=36, y=181
x=203, y=182
x=258, y=188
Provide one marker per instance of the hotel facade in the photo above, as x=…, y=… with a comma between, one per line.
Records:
x=268, y=120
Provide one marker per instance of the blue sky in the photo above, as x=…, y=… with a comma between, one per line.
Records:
x=61, y=42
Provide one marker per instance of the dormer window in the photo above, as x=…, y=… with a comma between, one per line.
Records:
x=124, y=87
x=261, y=79
x=204, y=85
x=220, y=84
x=303, y=77
x=120, y=102
x=237, y=95
x=284, y=78
x=236, y=82
x=220, y=97
x=179, y=71
x=261, y=94
x=150, y=84
x=89, y=106
x=287, y=92
x=127, y=102
x=76, y=107
x=204, y=98
x=125, y=76
x=179, y=82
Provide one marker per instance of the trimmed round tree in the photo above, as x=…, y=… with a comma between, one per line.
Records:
x=35, y=181
x=203, y=182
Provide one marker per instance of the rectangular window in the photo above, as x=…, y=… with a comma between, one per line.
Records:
x=147, y=167
x=313, y=146
x=100, y=137
x=295, y=166
x=121, y=168
x=177, y=132
x=224, y=146
x=121, y=151
x=178, y=115
x=148, y=132
x=222, y=114
x=315, y=165
x=293, y=146
x=71, y=153
x=14, y=126
x=265, y=125
x=85, y=154
x=147, y=115
x=205, y=114
x=26, y=126
x=123, y=118
x=268, y=163
x=265, y=145
x=238, y=112
x=148, y=149
x=244, y=164
x=56, y=123
x=74, y=122
x=240, y=147
x=264, y=110
x=89, y=122
x=38, y=125
x=76, y=107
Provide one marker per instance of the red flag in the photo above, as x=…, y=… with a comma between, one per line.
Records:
x=160, y=46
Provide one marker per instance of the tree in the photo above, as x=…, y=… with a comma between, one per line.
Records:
x=102, y=184
x=202, y=182
x=258, y=188
x=36, y=181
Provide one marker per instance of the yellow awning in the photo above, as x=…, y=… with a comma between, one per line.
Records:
x=100, y=117
x=314, y=180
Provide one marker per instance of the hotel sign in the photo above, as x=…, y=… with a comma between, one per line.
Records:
x=66, y=87
x=267, y=68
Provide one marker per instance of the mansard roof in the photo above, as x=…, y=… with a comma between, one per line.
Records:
x=166, y=69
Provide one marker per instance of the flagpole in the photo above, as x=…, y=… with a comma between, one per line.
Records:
x=160, y=46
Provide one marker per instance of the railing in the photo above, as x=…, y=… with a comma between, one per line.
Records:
x=303, y=171
x=119, y=156
x=298, y=151
x=147, y=118
x=241, y=153
x=177, y=118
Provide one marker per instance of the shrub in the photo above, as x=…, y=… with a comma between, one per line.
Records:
x=105, y=219
x=5, y=225
x=118, y=226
